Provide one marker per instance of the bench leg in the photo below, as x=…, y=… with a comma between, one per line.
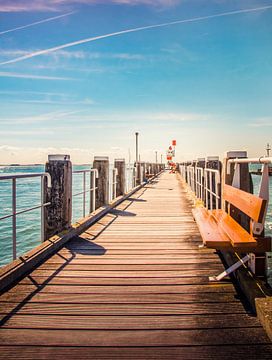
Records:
x=230, y=269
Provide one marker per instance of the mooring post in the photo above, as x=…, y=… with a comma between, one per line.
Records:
x=58, y=215
x=138, y=173
x=101, y=163
x=120, y=165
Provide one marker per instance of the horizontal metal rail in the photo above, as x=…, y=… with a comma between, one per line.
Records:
x=13, y=215
x=260, y=160
x=27, y=175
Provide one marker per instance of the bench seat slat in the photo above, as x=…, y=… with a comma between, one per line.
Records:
x=239, y=237
x=212, y=236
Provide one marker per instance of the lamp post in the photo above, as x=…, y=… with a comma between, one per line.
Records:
x=161, y=158
x=156, y=152
x=137, y=147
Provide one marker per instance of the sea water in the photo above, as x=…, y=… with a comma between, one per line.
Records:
x=28, y=193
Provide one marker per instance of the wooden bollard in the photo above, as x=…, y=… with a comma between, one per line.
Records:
x=101, y=163
x=144, y=178
x=120, y=165
x=153, y=169
x=138, y=173
x=58, y=215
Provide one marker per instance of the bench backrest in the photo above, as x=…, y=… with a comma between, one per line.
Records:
x=250, y=204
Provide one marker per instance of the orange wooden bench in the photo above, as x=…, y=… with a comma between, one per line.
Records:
x=220, y=231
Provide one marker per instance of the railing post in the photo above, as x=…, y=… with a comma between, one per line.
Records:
x=214, y=163
x=101, y=163
x=120, y=165
x=58, y=214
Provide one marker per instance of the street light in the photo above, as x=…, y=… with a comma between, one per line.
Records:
x=156, y=152
x=137, y=147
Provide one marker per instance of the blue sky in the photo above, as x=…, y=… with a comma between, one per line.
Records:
x=206, y=82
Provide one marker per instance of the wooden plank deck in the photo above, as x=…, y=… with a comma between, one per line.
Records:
x=133, y=286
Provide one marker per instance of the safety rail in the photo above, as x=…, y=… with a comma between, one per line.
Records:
x=114, y=182
x=14, y=213
x=212, y=188
x=205, y=184
x=130, y=177
x=92, y=189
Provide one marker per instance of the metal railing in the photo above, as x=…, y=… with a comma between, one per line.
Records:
x=199, y=183
x=212, y=188
x=93, y=173
x=15, y=213
x=130, y=177
x=114, y=182
x=205, y=183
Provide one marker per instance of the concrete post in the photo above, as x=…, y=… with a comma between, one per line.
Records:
x=120, y=165
x=101, y=163
x=58, y=214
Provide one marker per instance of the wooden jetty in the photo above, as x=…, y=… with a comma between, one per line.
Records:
x=132, y=286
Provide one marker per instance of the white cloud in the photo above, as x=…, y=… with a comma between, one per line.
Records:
x=30, y=155
x=32, y=76
x=56, y=115
x=56, y=5
x=261, y=122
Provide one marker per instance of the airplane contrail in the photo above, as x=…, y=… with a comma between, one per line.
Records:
x=83, y=41
x=37, y=22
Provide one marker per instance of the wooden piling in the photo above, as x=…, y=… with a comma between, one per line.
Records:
x=58, y=215
x=120, y=165
x=101, y=163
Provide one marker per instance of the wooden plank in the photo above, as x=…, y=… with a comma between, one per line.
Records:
x=209, y=321
x=126, y=298
x=76, y=281
x=117, y=274
x=211, y=352
x=148, y=338
x=123, y=289
x=123, y=309
x=216, y=265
